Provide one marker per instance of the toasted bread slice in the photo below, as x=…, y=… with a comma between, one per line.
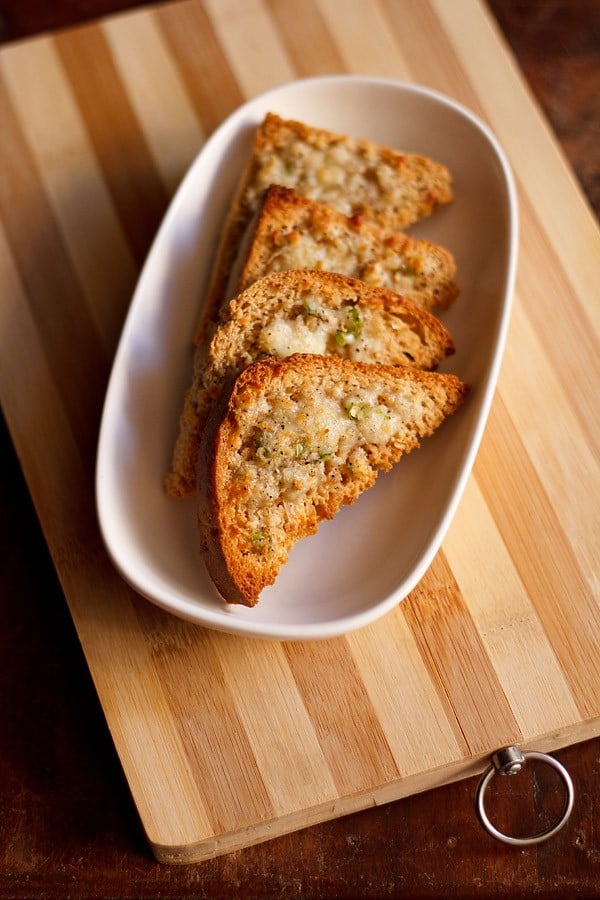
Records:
x=290, y=443
x=309, y=312
x=292, y=232
x=356, y=177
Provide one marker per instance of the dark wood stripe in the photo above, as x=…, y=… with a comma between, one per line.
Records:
x=75, y=357
x=458, y=663
x=543, y=556
x=308, y=44
x=214, y=739
x=119, y=143
x=346, y=725
x=203, y=67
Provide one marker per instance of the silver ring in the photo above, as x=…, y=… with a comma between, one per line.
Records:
x=510, y=761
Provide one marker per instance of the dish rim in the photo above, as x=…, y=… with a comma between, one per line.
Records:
x=216, y=618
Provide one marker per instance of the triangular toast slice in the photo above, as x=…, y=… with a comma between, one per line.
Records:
x=293, y=440
x=308, y=312
x=292, y=232
x=354, y=176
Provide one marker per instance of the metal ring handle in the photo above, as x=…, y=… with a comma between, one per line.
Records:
x=510, y=761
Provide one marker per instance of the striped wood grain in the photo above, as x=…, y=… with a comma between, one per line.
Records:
x=226, y=740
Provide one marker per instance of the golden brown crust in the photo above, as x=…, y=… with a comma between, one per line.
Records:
x=266, y=477
x=210, y=520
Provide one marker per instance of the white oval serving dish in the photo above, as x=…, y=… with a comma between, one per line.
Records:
x=361, y=564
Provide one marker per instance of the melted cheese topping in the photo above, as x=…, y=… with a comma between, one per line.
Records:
x=346, y=253
x=332, y=174
x=284, y=336
x=352, y=332
x=292, y=447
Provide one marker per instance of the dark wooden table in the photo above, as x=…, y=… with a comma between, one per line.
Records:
x=68, y=827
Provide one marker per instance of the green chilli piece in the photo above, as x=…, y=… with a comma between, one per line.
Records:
x=352, y=328
x=356, y=411
x=355, y=321
x=260, y=540
x=314, y=311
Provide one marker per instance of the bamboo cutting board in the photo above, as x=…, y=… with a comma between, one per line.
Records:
x=226, y=741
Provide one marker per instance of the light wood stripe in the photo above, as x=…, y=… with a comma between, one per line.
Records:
x=136, y=190
x=96, y=245
x=162, y=107
x=552, y=305
x=217, y=747
x=508, y=625
x=380, y=55
x=293, y=765
x=147, y=726
x=456, y=658
x=423, y=739
x=543, y=556
x=551, y=452
x=254, y=53
x=441, y=69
